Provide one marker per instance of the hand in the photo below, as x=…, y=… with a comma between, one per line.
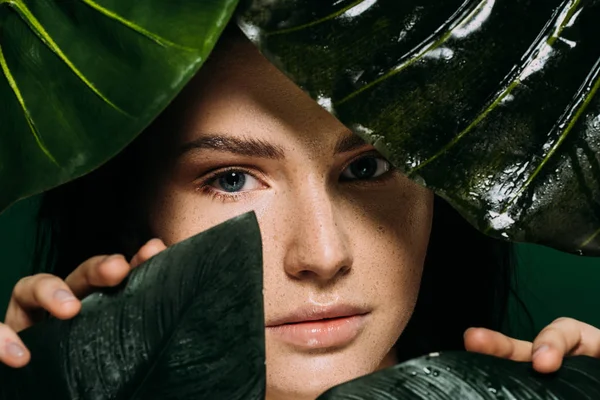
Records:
x=563, y=337
x=34, y=294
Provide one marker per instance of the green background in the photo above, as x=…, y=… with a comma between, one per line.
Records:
x=550, y=283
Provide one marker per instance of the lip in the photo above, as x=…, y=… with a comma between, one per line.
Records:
x=320, y=327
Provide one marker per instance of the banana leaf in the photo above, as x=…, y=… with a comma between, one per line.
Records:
x=188, y=324
x=471, y=376
x=79, y=79
x=493, y=104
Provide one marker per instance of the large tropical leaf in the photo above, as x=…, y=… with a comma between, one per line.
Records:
x=470, y=376
x=492, y=103
x=79, y=79
x=188, y=324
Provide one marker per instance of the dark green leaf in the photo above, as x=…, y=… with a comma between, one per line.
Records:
x=79, y=79
x=471, y=376
x=491, y=103
x=188, y=324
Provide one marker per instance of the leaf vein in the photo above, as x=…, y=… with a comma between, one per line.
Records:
x=45, y=37
x=552, y=38
x=316, y=22
x=581, y=106
x=15, y=88
x=431, y=43
x=137, y=28
x=590, y=239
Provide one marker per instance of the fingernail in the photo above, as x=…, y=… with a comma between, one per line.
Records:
x=63, y=295
x=539, y=351
x=14, y=350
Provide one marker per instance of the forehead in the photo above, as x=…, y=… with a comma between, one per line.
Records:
x=238, y=92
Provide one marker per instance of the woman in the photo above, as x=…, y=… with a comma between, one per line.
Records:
x=345, y=236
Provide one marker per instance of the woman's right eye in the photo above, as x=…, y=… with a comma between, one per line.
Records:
x=234, y=181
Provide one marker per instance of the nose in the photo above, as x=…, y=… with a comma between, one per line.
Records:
x=319, y=248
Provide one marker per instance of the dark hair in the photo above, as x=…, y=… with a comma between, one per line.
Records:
x=466, y=279
x=466, y=283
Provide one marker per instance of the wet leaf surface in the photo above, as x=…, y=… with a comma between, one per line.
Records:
x=492, y=103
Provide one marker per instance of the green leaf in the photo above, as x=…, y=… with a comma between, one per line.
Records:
x=188, y=324
x=79, y=79
x=493, y=104
x=462, y=375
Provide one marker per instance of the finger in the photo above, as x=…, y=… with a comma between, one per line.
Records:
x=147, y=251
x=12, y=350
x=563, y=337
x=486, y=341
x=99, y=271
x=41, y=291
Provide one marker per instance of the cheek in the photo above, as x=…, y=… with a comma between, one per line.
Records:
x=390, y=239
x=392, y=231
x=177, y=214
x=173, y=217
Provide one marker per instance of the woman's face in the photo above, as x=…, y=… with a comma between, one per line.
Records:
x=343, y=233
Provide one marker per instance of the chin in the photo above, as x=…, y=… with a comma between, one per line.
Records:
x=304, y=375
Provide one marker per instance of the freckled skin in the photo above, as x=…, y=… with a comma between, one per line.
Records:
x=323, y=240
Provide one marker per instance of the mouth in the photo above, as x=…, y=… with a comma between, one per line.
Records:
x=319, y=328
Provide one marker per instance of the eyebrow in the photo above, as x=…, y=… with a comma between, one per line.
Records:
x=348, y=143
x=258, y=148
x=243, y=146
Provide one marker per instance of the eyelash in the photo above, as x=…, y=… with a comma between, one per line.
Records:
x=206, y=188
x=370, y=182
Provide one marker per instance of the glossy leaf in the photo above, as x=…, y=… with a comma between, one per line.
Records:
x=188, y=324
x=492, y=103
x=79, y=79
x=471, y=376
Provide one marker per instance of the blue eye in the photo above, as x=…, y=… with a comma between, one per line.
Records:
x=366, y=168
x=235, y=181
x=232, y=181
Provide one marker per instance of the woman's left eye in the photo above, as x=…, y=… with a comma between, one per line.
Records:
x=235, y=181
x=365, y=168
